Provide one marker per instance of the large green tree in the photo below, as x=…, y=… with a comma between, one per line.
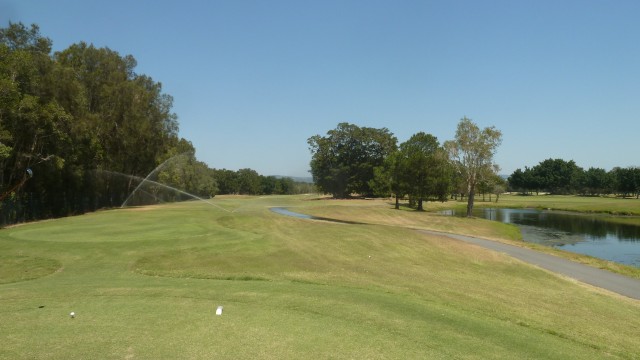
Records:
x=227, y=180
x=249, y=182
x=343, y=161
x=596, y=181
x=627, y=181
x=472, y=151
x=388, y=178
x=424, y=168
x=558, y=176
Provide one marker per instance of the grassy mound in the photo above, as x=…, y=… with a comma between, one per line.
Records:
x=20, y=268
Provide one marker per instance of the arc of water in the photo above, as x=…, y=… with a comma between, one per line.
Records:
x=153, y=172
x=184, y=193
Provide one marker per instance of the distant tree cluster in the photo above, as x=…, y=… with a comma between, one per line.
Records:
x=557, y=176
x=249, y=182
x=79, y=130
x=355, y=161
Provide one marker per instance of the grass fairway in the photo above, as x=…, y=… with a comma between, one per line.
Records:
x=145, y=284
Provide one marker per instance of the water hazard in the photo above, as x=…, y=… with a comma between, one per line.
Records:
x=584, y=234
x=580, y=233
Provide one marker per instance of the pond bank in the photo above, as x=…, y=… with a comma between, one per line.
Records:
x=620, y=284
x=586, y=234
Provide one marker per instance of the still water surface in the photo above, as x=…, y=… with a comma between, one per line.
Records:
x=581, y=233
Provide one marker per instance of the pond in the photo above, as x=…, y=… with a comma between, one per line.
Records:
x=580, y=233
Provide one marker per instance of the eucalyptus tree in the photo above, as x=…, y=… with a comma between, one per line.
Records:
x=29, y=120
x=127, y=112
x=489, y=181
x=67, y=114
x=34, y=129
x=472, y=152
x=499, y=187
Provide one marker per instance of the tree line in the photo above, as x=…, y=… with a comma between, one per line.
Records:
x=362, y=161
x=79, y=129
x=249, y=182
x=182, y=177
x=557, y=176
x=367, y=162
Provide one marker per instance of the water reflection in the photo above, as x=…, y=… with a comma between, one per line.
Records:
x=591, y=225
x=587, y=234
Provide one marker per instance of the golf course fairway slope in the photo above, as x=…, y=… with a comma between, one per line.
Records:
x=145, y=283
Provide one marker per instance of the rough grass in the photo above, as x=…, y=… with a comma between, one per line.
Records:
x=145, y=284
x=377, y=212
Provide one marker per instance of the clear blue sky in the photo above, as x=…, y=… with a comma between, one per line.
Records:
x=253, y=79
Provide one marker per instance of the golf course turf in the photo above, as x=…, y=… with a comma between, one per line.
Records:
x=145, y=283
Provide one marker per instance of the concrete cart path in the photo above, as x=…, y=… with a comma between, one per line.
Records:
x=620, y=284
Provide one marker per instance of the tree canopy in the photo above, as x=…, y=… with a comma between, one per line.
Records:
x=90, y=127
x=67, y=115
x=423, y=168
x=343, y=161
x=558, y=176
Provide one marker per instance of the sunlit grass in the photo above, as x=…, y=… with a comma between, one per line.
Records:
x=145, y=283
x=377, y=212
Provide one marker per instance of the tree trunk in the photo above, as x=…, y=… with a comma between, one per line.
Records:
x=471, y=196
x=420, y=208
x=397, y=203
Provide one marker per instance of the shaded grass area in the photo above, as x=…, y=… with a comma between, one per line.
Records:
x=145, y=284
x=20, y=268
